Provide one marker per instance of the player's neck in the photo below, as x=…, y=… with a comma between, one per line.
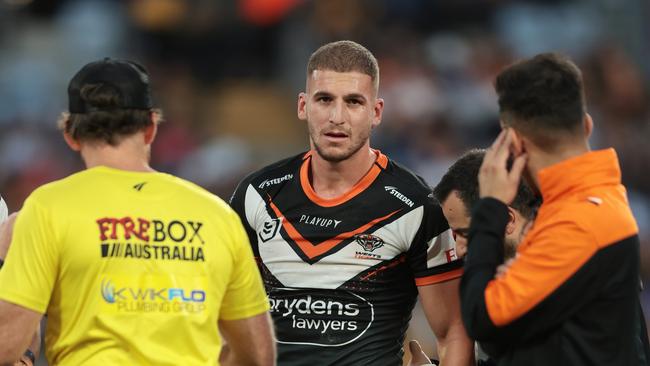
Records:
x=334, y=179
x=539, y=159
x=128, y=155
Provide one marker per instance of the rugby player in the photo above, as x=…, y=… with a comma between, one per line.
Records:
x=346, y=238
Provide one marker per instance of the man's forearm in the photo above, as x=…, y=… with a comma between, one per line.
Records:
x=456, y=349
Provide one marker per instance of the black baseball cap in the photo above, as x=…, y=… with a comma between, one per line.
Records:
x=129, y=78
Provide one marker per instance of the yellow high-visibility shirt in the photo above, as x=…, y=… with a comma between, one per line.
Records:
x=131, y=268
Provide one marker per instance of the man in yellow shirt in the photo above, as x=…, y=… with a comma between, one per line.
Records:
x=29, y=356
x=132, y=266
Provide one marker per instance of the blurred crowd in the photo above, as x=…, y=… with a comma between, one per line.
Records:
x=227, y=73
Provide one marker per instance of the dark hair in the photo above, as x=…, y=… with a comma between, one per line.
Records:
x=345, y=56
x=106, y=121
x=462, y=177
x=543, y=98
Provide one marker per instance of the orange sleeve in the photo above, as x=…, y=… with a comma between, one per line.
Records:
x=559, y=250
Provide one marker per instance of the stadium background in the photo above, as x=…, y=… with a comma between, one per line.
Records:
x=227, y=73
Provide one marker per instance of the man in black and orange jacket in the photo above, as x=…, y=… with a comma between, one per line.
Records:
x=571, y=296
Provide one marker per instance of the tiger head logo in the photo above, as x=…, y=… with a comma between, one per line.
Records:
x=369, y=242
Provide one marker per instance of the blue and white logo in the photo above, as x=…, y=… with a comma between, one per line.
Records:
x=108, y=291
x=112, y=294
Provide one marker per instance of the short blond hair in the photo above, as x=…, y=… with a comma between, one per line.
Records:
x=345, y=56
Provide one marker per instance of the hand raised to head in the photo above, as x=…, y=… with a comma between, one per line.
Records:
x=495, y=180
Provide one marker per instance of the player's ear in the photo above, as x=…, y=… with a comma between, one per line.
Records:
x=302, y=106
x=512, y=221
x=150, y=133
x=71, y=141
x=518, y=143
x=588, y=125
x=378, y=111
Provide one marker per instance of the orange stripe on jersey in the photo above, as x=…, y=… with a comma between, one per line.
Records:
x=360, y=186
x=382, y=159
x=442, y=277
x=312, y=250
x=400, y=260
x=566, y=234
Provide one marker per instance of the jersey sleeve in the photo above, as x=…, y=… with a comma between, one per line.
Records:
x=238, y=203
x=432, y=254
x=31, y=266
x=238, y=197
x=245, y=296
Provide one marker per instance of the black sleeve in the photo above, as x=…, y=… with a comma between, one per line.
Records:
x=643, y=343
x=484, y=255
x=238, y=203
x=237, y=200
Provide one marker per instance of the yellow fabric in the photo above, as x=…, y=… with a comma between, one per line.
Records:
x=131, y=269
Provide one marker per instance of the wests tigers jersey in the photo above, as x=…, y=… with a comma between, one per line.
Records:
x=341, y=273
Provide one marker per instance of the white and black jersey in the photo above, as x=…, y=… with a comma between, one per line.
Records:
x=341, y=274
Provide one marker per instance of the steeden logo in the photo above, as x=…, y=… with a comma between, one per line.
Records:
x=270, y=182
x=394, y=192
